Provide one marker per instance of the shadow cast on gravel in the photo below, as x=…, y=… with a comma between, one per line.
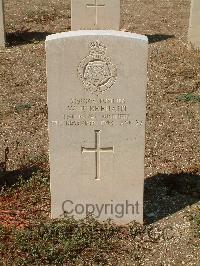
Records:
x=10, y=178
x=25, y=37
x=159, y=37
x=165, y=194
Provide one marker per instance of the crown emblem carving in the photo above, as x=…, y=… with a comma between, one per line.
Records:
x=97, y=48
x=96, y=71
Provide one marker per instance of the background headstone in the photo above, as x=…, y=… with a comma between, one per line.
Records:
x=2, y=30
x=97, y=107
x=194, y=30
x=95, y=14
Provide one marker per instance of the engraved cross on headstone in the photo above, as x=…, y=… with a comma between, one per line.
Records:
x=96, y=5
x=97, y=150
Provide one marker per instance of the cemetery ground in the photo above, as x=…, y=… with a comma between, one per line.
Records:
x=171, y=231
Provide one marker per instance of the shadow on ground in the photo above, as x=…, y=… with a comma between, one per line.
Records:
x=159, y=37
x=166, y=194
x=25, y=37
x=10, y=178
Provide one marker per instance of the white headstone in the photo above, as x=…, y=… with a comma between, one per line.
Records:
x=194, y=30
x=2, y=30
x=95, y=14
x=97, y=107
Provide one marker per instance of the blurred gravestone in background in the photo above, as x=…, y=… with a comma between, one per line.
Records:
x=194, y=29
x=95, y=14
x=2, y=30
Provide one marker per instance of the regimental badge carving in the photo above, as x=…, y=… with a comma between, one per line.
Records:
x=96, y=71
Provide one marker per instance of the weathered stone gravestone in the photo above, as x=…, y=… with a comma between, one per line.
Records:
x=97, y=107
x=2, y=30
x=95, y=14
x=194, y=30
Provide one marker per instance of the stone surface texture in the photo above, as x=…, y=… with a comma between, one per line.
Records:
x=97, y=108
x=95, y=14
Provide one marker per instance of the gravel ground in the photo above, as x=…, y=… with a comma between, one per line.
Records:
x=172, y=163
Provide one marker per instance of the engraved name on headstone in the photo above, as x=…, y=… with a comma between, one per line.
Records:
x=2, y=30
x=194, y=29
x=97, y=108
x=95, y=14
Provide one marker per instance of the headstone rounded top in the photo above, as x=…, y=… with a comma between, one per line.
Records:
x=112, y=33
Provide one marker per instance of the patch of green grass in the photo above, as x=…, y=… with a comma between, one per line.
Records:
x=22, y=107
x=40, y=158
x=189, y=97
x=66, y=241
x=63, y=241
x=39, y=162
x=29, y=168
x=34, y=184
